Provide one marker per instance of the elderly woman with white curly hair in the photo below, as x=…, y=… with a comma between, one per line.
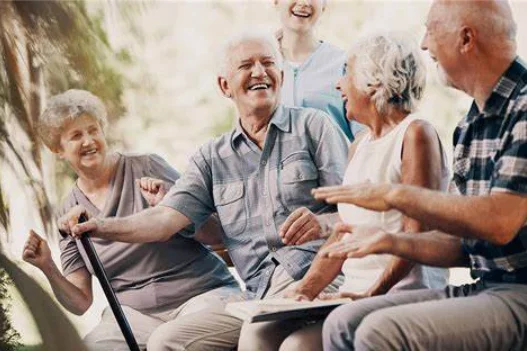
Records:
x=155, y=282
x=384, y=81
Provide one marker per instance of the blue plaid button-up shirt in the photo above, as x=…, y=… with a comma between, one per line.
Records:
x=490, y=155
x=254, y=191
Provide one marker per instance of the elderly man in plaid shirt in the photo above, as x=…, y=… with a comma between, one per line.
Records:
x=481, y=224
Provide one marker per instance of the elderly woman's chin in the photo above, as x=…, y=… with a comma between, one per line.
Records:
x=89, y=161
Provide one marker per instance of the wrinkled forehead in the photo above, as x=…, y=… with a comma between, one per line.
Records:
x=250, y=50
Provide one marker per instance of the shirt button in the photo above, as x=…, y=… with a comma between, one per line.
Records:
x=273, y=249
x=264, y=163
x=266, y=272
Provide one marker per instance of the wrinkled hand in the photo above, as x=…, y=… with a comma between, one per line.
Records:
x=152, y=189
x=343, y=295
x=69, y=223
x=36, y=251
x=358, y=241
x=366, y=195
x=301, y=226
x=297, y=295
x=70, y=219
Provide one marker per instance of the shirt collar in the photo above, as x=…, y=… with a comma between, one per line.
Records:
x=280, y=120
x=501, y=93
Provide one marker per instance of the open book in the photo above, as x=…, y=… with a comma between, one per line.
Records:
x=281, y=308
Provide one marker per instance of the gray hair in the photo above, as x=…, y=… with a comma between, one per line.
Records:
x=392, y=65
x=66, y=107
x=236, y=40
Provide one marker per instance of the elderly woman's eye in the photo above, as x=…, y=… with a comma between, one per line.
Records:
x=245, y=66
x=268, y=63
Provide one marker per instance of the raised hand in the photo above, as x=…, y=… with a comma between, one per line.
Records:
x=36, y=251
x=152, y=189
x=358, y=241
x=366, y=195
x=301, y=226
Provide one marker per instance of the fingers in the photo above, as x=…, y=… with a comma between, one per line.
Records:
x=32, y=245
x=329, y=296
x=309, y=235
x=151, y=185
x=296, y=214
x=324, y=192
x=339, y=250
x=342, y=228
x=301, y=226
x=79, y=229
x=71, y=218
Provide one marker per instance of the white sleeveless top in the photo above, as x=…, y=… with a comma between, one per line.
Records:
x=379, y=161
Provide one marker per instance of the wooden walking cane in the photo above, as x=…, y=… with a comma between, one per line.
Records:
x=100, y=273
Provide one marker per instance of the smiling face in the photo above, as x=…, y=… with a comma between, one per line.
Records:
x=358, y=103
x=441, y=43
x=82, y=143
x=252, y=79
x=299, y=15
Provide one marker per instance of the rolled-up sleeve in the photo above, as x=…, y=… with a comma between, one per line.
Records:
x=192, y=193
x=160, y=169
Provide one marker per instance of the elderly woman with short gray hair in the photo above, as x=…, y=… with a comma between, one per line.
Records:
x=385, y=80
x=155, y=282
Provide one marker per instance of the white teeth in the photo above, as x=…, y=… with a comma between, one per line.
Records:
x=301, y=14
x=90, y=152
x=258, y=86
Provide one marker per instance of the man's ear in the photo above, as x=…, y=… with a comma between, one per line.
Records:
x=224, y=87
x=467, y=39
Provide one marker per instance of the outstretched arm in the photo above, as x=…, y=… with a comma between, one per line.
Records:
x=431, y=248
x=154, y=224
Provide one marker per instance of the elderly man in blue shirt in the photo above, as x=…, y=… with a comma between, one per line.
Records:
x=254, y=177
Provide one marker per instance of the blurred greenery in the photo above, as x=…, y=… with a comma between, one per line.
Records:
x=9, y=337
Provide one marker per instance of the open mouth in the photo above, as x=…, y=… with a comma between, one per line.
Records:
x=301, y=13
x=259, y=86
x=89, y=152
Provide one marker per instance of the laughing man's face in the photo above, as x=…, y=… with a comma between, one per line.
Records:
x=253, y=78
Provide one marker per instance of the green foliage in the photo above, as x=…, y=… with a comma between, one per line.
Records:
x=9, y=337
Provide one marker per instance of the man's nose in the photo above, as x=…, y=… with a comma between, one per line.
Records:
x=258, y=70
x=424, y=42
x=339, y=84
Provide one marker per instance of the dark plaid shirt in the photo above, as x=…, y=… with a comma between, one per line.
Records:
x=490, y=155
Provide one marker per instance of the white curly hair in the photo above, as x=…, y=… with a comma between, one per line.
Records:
x=66, y=107
x=390, y=65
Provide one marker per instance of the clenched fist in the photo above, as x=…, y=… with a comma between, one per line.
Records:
x=36, y=251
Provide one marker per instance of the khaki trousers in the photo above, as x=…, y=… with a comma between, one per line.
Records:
x=153, y=330
x=213, y=329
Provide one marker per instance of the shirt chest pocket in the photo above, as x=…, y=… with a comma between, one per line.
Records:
x=298, y=175
x=230, y=205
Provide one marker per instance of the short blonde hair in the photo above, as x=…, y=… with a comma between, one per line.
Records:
x=390, y=63
x=67, y=107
